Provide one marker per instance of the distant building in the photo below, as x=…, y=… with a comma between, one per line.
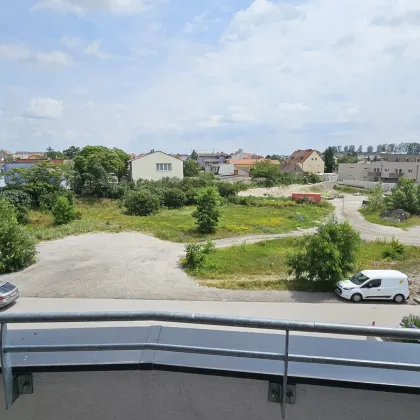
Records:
x=28, y=155
x=25, y=163
x=5, y=155
x=221, y=169
x=304, y=161
x=381, y=171
x=155, y=166
x=208, y=159
x=247, y=164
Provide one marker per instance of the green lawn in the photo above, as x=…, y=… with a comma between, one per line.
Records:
x=351, y=190
x=261, y=266
x=374, y=217
x=179, y=225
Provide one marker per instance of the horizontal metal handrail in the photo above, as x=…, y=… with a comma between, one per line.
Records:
x=217, y=320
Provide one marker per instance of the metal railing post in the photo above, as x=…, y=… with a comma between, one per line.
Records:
x=285, y=367
x=6, y=367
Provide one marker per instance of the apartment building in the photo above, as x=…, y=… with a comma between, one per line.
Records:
x=383, y=171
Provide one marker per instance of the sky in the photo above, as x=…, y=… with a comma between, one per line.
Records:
x=267, y=76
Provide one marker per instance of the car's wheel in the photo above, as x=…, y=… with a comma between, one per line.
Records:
x=398, y=298
x=357, y=297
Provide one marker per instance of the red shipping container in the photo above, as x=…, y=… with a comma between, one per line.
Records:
x=314, y=197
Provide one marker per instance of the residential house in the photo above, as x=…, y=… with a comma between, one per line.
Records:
x=380, y=171
x=155, y=165
x=182, y=156
x=208, y=159
x=28, y=155
x=245, y=165
x=221, y=169
x=244, y=155
x=304, y=161
x=5, y=155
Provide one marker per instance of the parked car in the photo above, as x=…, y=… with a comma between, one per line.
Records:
x=375, y=284
x=8, y=293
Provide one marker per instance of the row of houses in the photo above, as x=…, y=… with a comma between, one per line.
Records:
x=388, y=170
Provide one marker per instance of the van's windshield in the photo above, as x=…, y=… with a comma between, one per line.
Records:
x=358, y=278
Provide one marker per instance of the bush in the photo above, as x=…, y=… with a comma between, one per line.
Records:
x=227, y=189
x=207, y=212
x=63, y=211
x=175, y=198
x=406, y=196
x=394, y=251
x=376, y=199
x=141, y=203
x=17, y=246
x=196, y=254
x=21, y=201
x=327, y=256
x=190, y=196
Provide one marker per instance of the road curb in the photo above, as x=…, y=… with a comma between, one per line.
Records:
x=416, y=299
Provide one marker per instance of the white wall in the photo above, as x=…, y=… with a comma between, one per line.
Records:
x=149, y=395
x=145, y=167
x=366, y=184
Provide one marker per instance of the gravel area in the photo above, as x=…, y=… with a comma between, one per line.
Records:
x=132, y=265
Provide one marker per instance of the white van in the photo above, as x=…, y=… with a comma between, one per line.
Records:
x=375, y=284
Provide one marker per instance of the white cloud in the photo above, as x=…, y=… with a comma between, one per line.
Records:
x=23, y=54
x=44, y=108
x=94, y=48
x=72, y=42
x=79, y=7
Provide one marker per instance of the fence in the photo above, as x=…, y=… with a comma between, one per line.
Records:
x=366, y=184
x=271, y=324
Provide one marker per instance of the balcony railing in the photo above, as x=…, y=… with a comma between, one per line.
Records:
x=6, y=349
x=392, y=175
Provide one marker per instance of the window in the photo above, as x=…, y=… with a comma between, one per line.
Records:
x=398, y=171
x=407, y=160
x=164, y=166
x=410, y=171
x=386, y=170
x=373, y=283
x=417, y=160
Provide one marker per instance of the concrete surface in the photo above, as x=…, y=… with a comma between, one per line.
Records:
x=132, y=265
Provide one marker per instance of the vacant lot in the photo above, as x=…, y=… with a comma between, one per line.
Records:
x=374, y=217
x=261, y=266
x=178, y=225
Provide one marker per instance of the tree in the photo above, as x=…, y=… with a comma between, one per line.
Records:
x=360, y=149
x=141, y=203
x=266, y=169
x=207, y=213
x=63, y=211
x=17, y=246
x=175, y=198
x=406, y=196
x=71, y=152
x=347, y=159
x=20, y=200
x=44, y=182
x=53, y=154
x=191, y=167
x=346, y=149
x=327, y=256
x=98, y=169
x=194, y=155
x=329, y=160
x=376, y=199
x=369, y=149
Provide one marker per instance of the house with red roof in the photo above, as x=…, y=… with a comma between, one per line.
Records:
x=304, y=161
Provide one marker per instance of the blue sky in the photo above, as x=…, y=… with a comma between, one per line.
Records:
x=267, y=76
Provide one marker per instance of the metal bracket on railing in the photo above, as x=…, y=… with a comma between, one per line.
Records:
x=13, y=385
x=275, y=393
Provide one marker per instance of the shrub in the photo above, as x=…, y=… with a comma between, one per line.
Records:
x=207, y=212
x=410, y=321
x=20, y=200
x=190, y=196
x=376, y=199
x=17, y=246
x=394, y=251
x=141, y=203
x=175, y=198
x=196, y=254
x=327, y=256
x=406, y=196
x=227, y=189
x=63, y=211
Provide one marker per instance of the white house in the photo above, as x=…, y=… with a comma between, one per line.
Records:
x=155, y=165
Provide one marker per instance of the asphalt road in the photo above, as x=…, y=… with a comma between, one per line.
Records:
x=384, y=315
x=132, y=265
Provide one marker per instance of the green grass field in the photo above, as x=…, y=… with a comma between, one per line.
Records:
x=351, y=190
x=374, y=217
x=179, y=225
x=261, y=266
